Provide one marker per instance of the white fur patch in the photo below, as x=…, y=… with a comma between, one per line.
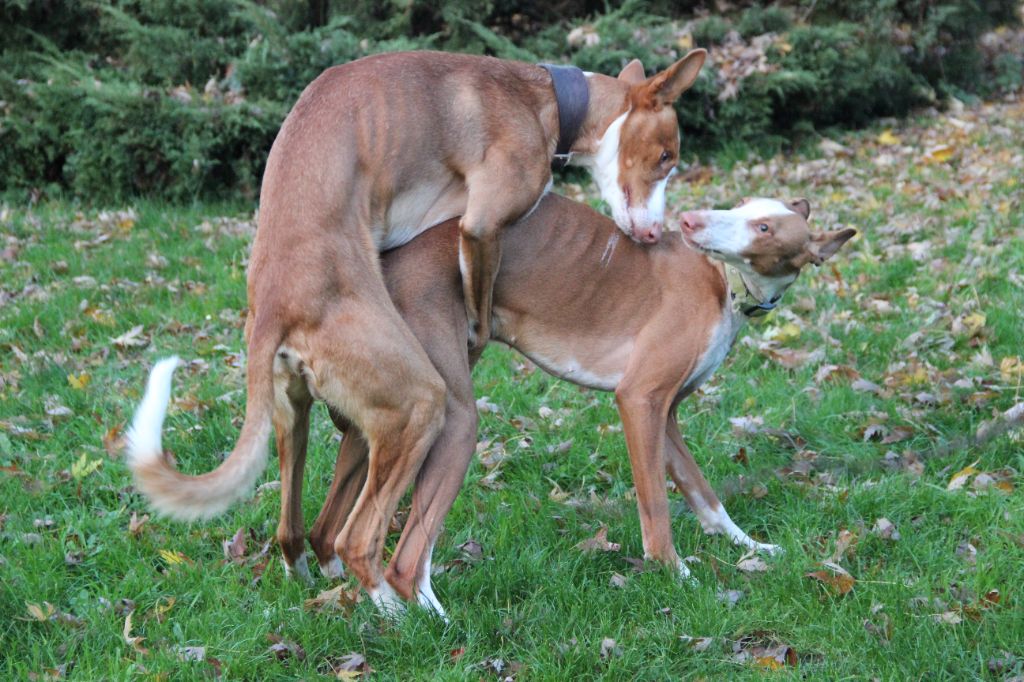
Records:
x=604, y=166
x=652, y=212
x=387, y=600
x=425, y=591
x=300, y=570
x=720, y=339
x=143, y=438
x=333, y=569
x=718, y=521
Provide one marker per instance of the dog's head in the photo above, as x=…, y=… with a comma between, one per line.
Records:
x=767, y=240
x=639, y=150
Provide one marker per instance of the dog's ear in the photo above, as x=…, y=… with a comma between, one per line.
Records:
x=665, y=87
x=801, y=206
x=741, y=202
x=825, y=244
x=633, y=73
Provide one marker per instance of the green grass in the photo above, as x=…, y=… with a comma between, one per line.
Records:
x=534, y=601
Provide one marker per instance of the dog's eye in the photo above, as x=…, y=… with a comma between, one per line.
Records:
x=665, y=156
x=763, y=227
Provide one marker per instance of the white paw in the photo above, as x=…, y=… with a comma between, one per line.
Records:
x=300, y=570
x=333, y=569
x=684, y=574
x=770, y=550
x=387, y=600
x=428, y=600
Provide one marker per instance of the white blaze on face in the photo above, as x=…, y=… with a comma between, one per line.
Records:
x=652, y=212
x=604, y=166
x=729, y=232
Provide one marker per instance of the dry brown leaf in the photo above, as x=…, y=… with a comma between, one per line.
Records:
x=599, y=543
x=336, y=599
x=841, y=583
x=135, y=523
x=960, y=478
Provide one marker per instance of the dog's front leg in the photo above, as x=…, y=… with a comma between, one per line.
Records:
x=698, y=493
x=643, y=421
x=507, y=185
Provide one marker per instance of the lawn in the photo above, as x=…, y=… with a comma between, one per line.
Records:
x=843, y=427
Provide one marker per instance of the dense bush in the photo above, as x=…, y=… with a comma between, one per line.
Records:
x=182, y=98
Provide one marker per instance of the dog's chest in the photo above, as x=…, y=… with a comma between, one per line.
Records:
x=720, y=340
x=419, y=208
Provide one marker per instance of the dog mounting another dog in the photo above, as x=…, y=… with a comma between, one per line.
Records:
x=560, y=300
x=373, y=153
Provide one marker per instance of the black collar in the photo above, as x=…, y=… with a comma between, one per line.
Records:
x=572, y=96
x=746, y=298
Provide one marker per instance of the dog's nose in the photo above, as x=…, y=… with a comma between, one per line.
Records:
x=691, y=221
x=650, y=235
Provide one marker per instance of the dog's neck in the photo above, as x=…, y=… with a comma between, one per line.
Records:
x=752, y=295
x=609, y=99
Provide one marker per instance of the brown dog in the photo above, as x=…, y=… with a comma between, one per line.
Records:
x=374, y=153
x=560, y=300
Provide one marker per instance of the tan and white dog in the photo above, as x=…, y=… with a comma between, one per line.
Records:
x=373, y=153
x=560, y=300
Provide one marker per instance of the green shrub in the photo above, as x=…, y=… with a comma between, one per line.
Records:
x=179, y=99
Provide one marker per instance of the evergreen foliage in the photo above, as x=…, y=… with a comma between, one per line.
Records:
x=181, y=99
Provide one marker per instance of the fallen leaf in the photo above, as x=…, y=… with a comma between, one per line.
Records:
x=135, y=523
x=617, y=580
x=283, y=648
x=749, y=563
x=83, y=466
x=234, y=549
x=961, y=477
x=336, y=599
x=191, y=653
x=599, y=543
x=173, y=558
x=609, y=648
x=132, y=338
x=844, y=543
x=948, y=618
x=40, y=613
x=841, y=583
x=78, y=381
x=887, y=139
x=885, y=529
x=134, y=642
x=472, y=549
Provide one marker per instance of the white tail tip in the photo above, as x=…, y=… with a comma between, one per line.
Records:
x=143, y=438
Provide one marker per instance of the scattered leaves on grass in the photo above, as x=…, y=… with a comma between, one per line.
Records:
x=348, y=667
x=133, y=338
x=885, y=529
x=234, y=549
x=284, y=649
x=472, y=550
x=191, y=653
x=610, y=649
x=837, y=578
x=84, y=466
x=617, y=580
x=599, y=543
x=336, y=599
x=133, y=641
x=136, y=523
x=751, y=563
x=173, y=558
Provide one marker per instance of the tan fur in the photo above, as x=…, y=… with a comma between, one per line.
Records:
x=562, y=300
x=373, y=153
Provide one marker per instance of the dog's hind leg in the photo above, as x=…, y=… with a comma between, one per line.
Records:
x=370, y=368
x=349, y=477
x=437, y=485
x=698, y=493
x=292, y=402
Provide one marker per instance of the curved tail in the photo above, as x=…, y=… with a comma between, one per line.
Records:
x=196, y=497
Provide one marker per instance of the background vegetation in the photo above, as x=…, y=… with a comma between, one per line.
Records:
x=109, y=99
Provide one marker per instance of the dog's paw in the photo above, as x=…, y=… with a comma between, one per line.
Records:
x=770, y=550
x=387, y=601
x=300, y=570
x=333, y=569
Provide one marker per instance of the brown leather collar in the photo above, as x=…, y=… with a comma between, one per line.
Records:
x=573, y=98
